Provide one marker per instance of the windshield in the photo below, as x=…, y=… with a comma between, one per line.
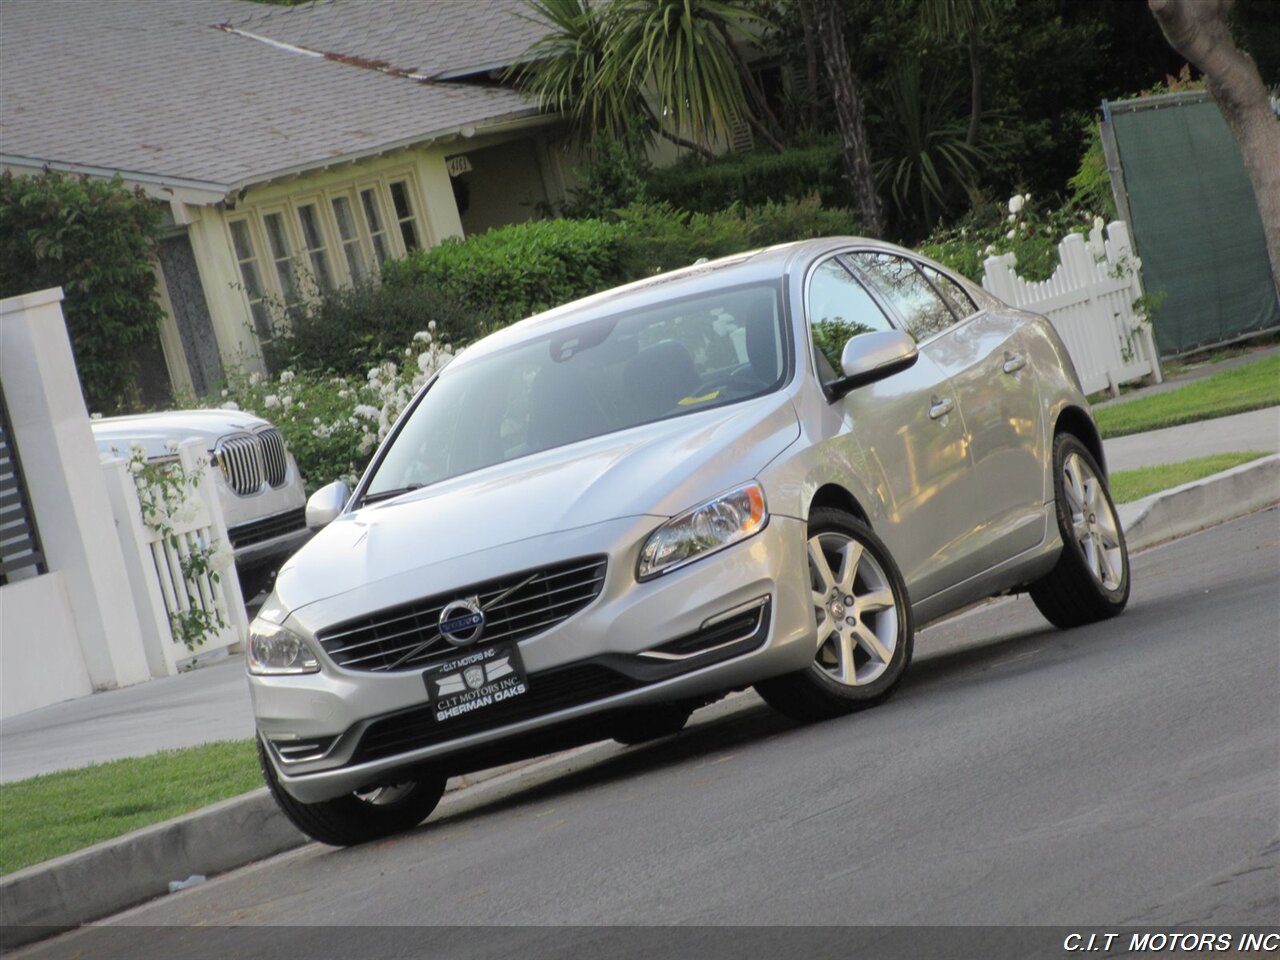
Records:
x=597, y=377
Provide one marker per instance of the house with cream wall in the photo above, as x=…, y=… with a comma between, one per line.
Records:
x=293, y=148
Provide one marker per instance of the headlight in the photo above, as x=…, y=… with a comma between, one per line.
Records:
x=274, y=650
x=708, y=527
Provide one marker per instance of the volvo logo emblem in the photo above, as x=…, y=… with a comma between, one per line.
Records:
x=462, y=622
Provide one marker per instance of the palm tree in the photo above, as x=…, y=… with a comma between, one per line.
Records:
x=672, y=63
x=944, y=19
x=828, y=24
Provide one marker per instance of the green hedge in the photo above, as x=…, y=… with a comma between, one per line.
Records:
x=519, y=270
x=751, y=179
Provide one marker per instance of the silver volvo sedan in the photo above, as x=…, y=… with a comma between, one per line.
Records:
x=762, y=471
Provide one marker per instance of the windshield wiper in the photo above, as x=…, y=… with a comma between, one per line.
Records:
x=388, y=494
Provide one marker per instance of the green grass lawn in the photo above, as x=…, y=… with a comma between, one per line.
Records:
x=58, y=813
x=1127, y=485
x=1250, y=387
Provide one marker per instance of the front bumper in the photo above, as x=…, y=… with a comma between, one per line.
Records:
x=362, y=727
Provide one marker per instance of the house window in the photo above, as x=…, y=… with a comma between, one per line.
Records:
x=247, y=260
x=313, y=241
x=373, y=222
x=404, y=214
x=350, y=239
x=281, y=255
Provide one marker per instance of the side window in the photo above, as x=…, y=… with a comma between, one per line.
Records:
x=957, y=297
x=839, y=308
x=899, y=282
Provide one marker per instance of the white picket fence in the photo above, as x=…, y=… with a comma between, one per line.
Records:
x=1089, y=300
x=154, y=565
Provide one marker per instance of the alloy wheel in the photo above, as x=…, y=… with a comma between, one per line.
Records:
x=854, y=607
x=1093, y=521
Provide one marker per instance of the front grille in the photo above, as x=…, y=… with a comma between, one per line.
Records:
x=274, y=462
x=268, y=528
x=549, y=690
x=515, y=607
x=249, y=459
x=240, y=457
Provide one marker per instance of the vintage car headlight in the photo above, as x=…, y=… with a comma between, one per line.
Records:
x=708, y=527
x=274, y=650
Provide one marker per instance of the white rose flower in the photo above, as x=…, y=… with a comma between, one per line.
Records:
x=1016, y=202
x=1010, y=235
x=364, y=410
x=231, y=405
x=136, y=466
x=422, y=335
x=287, y=376
x=226, y=393
x=255, y=378
x=272, y=401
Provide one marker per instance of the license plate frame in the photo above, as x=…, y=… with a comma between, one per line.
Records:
x=475, y=680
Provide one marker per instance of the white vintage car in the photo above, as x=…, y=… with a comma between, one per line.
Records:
x=258, y=483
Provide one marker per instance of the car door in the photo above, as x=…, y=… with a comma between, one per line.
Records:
x=903, y=429
x=977, y=349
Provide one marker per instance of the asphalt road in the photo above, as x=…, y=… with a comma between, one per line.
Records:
x=1126, y=773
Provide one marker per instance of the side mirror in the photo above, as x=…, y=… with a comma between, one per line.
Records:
x=869, y=357
x=325, y=504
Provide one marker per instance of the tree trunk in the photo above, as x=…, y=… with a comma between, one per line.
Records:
x=1198, y=30
x=975, y=73
x=652, y=121
x=849, y=113
x=810, y=61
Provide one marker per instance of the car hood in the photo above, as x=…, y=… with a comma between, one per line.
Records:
x=659, y=469
x=155, y=431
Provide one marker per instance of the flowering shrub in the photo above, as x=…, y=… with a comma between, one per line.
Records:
x=169, y=497
x=331, y=423
x=1020, y=227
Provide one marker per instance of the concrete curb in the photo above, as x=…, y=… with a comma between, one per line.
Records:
x=1202, y=503
x=117, y=874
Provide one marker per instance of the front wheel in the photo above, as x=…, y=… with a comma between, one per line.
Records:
x=863, y=624
x=363, y=816
x=1090, y=581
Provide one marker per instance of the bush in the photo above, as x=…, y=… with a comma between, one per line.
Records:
x=752, y=179
x=1020, y=228
x=348, y=330
x=332, y=424
x=516, y=271
x=96, y=239
x=803, y=219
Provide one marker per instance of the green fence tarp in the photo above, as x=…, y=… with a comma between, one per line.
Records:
x=1195, y=222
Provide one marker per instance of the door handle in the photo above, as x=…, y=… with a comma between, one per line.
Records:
x=940, y=408
x=1013, y=362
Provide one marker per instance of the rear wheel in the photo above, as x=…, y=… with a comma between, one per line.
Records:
x=1090, y=581
x=863, y=624
x=371, y=814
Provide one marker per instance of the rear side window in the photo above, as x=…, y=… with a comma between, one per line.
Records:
x=957, y=297
x=839, y=308
x=899, y=281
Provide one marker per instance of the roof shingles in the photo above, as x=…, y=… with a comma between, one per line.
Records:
x=154, y=87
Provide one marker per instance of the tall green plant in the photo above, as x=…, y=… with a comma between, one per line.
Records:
x=671, y=63
x=96, y=239
x=926, y=161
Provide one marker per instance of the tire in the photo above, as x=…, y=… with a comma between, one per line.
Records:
x=358, y=817
x=653, y=723
x=1090, y=581
x=863, y=646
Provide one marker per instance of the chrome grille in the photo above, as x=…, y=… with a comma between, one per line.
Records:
x=241, y=460
x=515, y=607
x=274, y=463
x=247, y=459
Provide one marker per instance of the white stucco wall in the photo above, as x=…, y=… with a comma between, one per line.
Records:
x=40, y=658
x=73, y=514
